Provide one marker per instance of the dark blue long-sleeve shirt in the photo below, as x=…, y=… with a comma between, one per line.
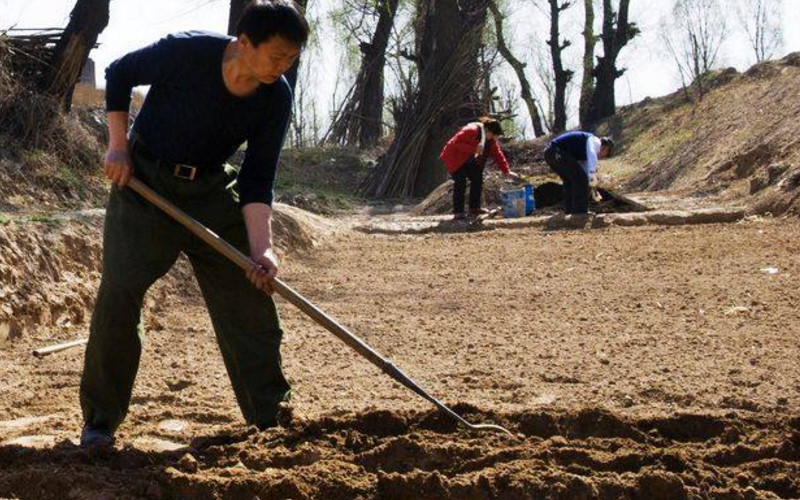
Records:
x=582, y=146
x=190, y=117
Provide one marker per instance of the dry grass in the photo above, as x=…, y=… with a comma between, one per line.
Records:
x=86, y=96
x=44, y=150
x=738, y=144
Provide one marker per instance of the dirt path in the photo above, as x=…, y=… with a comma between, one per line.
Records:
x=640, y=363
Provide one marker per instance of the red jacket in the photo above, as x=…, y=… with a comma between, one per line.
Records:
x=461, y=147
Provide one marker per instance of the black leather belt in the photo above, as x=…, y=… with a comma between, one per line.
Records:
x=179, y=170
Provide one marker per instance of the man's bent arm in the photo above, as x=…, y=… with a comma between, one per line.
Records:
x=117, y=164
x=117, y=130
x=593, y=145
x=258, y=219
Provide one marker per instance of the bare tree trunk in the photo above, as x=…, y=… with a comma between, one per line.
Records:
x=400, y=104
x=454, y=36
x=617, y=32
x=589, y=42
x=562, y=76
x=372, y=105
x=486, y=95
x=446, y=99
x=361, y=121
x=87, y=20
x=519, y=69
x=543, y=70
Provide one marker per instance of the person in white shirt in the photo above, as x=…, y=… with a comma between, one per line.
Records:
x=574, y=156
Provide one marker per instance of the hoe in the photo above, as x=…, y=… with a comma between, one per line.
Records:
x=291, y=296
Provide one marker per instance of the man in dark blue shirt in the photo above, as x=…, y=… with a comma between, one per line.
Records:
x=574, y=156
x=209, y=94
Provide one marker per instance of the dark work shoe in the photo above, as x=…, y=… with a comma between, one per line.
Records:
x=96, y=436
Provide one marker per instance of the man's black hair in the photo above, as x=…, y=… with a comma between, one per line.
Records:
x=609, y=143
x=491, y=125
x=263, y=19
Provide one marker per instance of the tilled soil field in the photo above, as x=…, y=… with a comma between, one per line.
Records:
x=631, y=363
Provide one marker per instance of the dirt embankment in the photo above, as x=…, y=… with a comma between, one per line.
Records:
x=48, y=159
x=50, y=265
x=48, y=269
x=739, y=144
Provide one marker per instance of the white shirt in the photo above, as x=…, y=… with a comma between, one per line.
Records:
x=593, y=145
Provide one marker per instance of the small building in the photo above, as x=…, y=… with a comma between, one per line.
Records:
x=87, y=75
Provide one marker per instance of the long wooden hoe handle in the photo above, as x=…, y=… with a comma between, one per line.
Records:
x=298, y=301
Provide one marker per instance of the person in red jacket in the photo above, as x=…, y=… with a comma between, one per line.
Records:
x=465, y=156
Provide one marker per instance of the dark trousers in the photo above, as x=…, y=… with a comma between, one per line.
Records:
x=472, y=170
x=140, y=244
x=574, y=178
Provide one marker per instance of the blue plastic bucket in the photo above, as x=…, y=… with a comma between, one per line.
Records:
x=530, y=201
x=513, y=203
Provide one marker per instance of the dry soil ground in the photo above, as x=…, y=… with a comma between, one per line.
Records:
x=634, y=363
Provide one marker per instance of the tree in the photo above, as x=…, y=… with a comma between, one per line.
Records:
x=449, y=38
x=617, y=32
x=761, y=21
x=693, y=35
x=543, y=70
x=86, y=21
x=487, y=64
x=589, y=42
x=562, y=76
x=519, y=69
x=291, y=75
x=509, y=105
x=404, y=74
x=361, y=121
x=305, y=124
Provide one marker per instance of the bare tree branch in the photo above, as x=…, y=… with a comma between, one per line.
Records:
x=519, y=69
x=693, y=35
x=761, y=21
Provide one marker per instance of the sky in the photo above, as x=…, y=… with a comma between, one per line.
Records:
x=135, y=23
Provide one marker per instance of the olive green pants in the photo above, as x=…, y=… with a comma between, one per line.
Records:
x=140, y=245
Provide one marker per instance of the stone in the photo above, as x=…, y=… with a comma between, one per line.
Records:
x=173, y=425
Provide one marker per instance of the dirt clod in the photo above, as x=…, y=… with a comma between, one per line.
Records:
x=660, y=485
x=285, y=414
x=188, y=464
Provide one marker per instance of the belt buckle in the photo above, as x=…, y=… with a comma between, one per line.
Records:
x=186, y=172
